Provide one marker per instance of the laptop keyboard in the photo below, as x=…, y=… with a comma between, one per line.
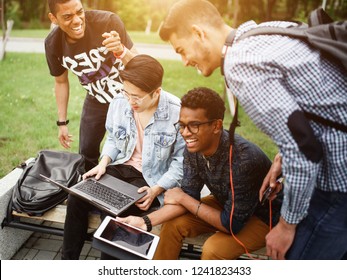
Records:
x=112, y=197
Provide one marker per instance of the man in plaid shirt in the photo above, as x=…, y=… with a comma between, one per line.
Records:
x=277, y=80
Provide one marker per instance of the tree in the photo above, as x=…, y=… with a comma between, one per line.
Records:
x=2, y=15
x=136, y=13
x=6, y=29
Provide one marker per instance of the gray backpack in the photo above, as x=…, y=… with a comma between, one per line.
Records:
x=321, y=33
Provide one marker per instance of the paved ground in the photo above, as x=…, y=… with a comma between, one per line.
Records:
x=32, y=45
x=41, y=246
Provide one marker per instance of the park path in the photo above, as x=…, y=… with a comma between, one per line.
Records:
x=35, y=45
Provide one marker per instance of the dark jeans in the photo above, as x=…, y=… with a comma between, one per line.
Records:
x=323, y=233
x=76, y=221
x=92, y=130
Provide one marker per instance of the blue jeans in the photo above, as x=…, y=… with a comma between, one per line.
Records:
x=92, y=130
x=323, y=233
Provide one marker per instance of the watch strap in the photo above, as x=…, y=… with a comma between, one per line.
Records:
x=60, y=123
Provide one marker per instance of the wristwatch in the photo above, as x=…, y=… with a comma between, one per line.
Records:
x=62, y=123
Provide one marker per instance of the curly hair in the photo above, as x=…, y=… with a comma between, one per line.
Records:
x=52, y=4
x=206, y=99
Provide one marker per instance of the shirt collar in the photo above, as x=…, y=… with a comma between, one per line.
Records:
x=223, y=145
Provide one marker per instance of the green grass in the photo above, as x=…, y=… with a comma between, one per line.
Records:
x=28, y=109
x=136, y=36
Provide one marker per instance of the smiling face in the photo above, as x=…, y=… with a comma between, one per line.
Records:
x=70, y=17
x=206, y=140
x=193, y=53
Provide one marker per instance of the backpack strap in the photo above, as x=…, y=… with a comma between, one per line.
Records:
x=326, y=122
x=296, y=32
x=319, y=16
x=228, y=43
x=235, y=122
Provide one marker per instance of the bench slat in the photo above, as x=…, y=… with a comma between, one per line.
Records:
x=57, y=215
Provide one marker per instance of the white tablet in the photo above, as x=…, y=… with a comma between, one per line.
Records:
x=128, y=238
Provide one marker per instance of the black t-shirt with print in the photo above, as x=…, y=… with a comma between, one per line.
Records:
x=97, y=68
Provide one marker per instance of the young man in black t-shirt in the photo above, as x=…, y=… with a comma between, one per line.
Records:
x=94, y=45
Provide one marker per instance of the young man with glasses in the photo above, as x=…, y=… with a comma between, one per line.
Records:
x=206, y=162
x=142, y=147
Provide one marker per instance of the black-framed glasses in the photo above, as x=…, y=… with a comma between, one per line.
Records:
x=135, y=99
x=193, y=127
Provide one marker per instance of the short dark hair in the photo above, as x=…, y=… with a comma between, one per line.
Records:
x=143, y=71
x=186, y=12
x=52, y=4
x=207, y=99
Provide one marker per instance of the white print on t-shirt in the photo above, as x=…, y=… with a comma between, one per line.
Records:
x=97, y=71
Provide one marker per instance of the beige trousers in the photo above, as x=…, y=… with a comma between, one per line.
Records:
x=217, y=247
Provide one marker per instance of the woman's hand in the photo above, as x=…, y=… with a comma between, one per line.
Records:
x=98, y=170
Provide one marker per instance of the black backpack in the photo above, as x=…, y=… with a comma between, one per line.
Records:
x=33, y=194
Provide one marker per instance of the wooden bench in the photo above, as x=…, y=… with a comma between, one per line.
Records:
x=191, y=249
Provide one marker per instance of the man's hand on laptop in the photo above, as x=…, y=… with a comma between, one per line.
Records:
x=152, y=192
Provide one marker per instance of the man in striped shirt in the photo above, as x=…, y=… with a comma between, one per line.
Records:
x=277, y=80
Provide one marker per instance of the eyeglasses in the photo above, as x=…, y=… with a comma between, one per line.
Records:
x=193, y=127
x=135, y=99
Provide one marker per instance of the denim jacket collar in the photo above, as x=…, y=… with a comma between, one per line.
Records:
x=162, y=112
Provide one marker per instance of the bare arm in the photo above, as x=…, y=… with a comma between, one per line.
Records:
x=162, y=215
x=178, y=203
x=113, y=43
x=205, y=212
x=62, y=89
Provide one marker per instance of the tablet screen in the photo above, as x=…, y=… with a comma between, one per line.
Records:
x=127, y=237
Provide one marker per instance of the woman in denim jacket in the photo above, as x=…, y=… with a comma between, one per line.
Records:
x=143, y=146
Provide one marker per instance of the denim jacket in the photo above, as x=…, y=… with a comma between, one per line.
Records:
x=163, y=145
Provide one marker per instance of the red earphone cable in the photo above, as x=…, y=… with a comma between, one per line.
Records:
x=233, y=205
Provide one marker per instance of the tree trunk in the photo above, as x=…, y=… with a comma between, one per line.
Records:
x=261, y=12
x=44, y=12
x=270, y=5
x=236, y=13
x=291, y=8
x=2, y=15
